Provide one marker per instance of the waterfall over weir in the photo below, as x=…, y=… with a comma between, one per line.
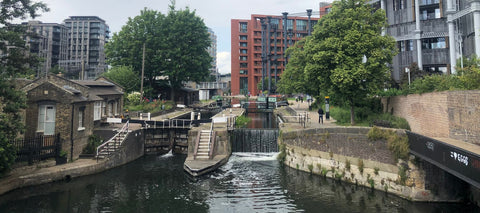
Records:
x=254, y=140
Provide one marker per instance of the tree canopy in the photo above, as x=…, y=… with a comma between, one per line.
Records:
x=14, y=62
x=346, y=55
x=124, y=76
x=175, y=46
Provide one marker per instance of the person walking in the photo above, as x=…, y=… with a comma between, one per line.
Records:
x=320, y=115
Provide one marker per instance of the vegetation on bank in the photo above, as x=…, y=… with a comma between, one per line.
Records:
x=367, y=113
x=134, y=102
x=397, y=144
x=466, y=78
x=241, y=121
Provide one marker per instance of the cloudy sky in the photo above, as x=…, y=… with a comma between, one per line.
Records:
x=216, y=14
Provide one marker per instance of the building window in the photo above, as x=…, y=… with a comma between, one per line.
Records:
x=435, y=69
x=428, y=2
x=243, y=27
x=401, y=46
x=244, y=85
x=243, y=58
x=301, y=25
x=243, y=72
x=429, y=13
x=243, y=44
x=433, y=43
x=409, y=45
x=399, y=5
x=289, y=24
x=46, y=119
x=81, y=118
x=97, y=111
x=104, y=110
x=243, y=65
x=243, y=37
x=243, y=51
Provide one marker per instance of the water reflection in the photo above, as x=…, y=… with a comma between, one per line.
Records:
x=249, y=182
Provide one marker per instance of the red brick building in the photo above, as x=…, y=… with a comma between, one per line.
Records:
x=246, y=47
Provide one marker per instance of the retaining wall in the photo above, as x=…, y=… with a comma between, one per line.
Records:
x=326, y=151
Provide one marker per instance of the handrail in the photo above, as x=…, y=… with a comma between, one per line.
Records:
x=197, y=142
x=212, y=146
x=122, y=130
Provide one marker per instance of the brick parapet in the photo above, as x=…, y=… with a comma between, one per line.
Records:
x=450, y=114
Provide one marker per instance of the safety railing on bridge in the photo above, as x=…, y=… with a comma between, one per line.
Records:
x=455, y=160
x=168, y=123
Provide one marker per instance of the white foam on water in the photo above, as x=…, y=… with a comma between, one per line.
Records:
x=168, y=155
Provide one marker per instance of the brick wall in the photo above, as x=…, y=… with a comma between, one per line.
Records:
x=450, y=114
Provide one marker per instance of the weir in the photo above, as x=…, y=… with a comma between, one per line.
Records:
x=254, y=140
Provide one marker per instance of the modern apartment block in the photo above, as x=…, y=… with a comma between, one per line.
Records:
x=251, y=59
x=49, y=41
x=432, y=33
x=212, y=50
x=87, y=38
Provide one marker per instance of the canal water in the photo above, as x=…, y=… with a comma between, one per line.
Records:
x=249, y=182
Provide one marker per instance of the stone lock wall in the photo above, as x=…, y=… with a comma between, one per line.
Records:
x=449, y=114
x=326, y=151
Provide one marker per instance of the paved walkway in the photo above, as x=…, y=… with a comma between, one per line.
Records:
x=312, y=122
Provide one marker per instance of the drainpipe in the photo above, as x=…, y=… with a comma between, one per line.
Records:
x=71, y=133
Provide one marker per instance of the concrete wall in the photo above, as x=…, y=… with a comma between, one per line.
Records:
x=449, y=114
x=223, y=145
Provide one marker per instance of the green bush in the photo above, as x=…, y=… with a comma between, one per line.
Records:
x=360, y=166
x=397, y=144
x=402, y=173
x=241, y=121
x=283, y=154
x=134, y=98
x=93, y=142
x=347, y=165
x=310, y=168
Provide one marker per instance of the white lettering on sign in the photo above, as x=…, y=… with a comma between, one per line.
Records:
x=430, y=146
x=459, y=157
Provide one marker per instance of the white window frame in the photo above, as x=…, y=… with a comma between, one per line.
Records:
x=81, y=118
x=97, y=110
x=46, y=118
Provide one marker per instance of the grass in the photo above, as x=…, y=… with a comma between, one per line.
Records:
x=397, y=144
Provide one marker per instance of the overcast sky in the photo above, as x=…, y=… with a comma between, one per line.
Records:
x=216, y=14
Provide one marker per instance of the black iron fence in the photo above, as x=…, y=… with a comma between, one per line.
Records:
x=37, y=149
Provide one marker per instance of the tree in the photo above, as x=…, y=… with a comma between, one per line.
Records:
x=14, y=62
x=126, y=47
x=124, y=76
x=186, y=42
x=175, y=45
x=294, y=79
x=347, y=54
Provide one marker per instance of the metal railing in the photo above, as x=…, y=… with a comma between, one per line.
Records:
x=123, y=130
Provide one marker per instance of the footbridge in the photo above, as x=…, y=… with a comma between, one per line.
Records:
x=455, y=157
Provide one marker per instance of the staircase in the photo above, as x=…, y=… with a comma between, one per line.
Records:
x=113, y=144
x=203, y=149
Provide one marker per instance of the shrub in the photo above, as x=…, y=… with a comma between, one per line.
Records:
x=134, y=98
x=347, y=165
x=398, y=145
x=310, y=168
x=402, y=173
x=375, y=170
x=360, y=166
x=93, y=142
x=241, y=121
